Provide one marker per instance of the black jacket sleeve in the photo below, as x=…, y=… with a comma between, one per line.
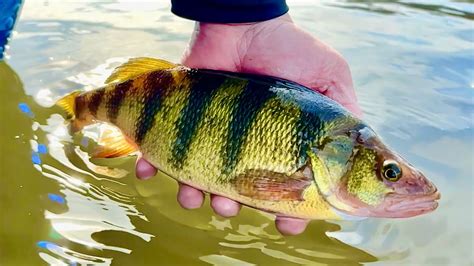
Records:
x=229, y=11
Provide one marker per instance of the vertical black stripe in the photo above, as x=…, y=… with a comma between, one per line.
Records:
x=250, y=102
x=95, y=100
x=155, y=86
x=116, y=97
x=308, y=127
x=200, y=96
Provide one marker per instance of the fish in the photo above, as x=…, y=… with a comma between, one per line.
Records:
x=266, y=142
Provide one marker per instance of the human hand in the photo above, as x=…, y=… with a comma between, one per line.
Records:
x=276, y=48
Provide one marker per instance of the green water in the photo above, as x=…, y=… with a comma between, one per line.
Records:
x=413, y=66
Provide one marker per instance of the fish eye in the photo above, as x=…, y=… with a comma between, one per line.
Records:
x=391, y=171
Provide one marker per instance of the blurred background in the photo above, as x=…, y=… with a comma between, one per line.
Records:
x=413, y=67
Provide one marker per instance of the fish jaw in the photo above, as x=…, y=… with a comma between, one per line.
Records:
x=405, y=207
x=393, y=205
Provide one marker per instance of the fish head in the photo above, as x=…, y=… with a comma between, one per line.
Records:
x=374, y=181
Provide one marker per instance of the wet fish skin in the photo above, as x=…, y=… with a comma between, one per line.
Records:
x=266, y=142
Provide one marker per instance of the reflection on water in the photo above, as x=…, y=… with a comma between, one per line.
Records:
x=412, y=65
x=85, y=208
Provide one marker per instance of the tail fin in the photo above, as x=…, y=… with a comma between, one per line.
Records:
x=68, y=104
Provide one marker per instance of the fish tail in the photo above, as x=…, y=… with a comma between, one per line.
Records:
x=68, y=104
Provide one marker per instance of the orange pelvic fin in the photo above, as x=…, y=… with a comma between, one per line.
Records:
x=112, y=144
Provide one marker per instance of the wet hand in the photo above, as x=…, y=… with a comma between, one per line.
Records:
x=192, y=198
x=277, y=48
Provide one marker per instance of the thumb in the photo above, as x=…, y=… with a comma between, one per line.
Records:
x=344, y=96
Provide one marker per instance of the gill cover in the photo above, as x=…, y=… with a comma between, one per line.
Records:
x=345, y=163
x=329, y=163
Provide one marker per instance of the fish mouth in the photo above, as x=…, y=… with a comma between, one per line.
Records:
x=401, y=206
x=396, y=206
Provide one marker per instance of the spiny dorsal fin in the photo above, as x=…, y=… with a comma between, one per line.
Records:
x=137, y=66
x=113, y=144
x=272, y=186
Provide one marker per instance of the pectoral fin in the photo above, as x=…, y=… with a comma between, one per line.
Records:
x=267, y=185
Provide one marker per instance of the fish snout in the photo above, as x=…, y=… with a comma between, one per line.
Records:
x=415, y=186
x=414, y=183
x=413, y=196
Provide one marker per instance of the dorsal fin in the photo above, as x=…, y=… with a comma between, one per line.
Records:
x=137, y=66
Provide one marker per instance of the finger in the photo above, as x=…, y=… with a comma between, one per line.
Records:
x=340, y=86
x=224, y=206
x=346, y=97
x=290, y=226
x=354, y=108
x=144, y=169
x=189, y=197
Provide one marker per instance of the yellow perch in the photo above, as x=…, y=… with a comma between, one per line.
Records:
x=266, y=142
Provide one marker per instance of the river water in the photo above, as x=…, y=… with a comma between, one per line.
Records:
x=413, y=67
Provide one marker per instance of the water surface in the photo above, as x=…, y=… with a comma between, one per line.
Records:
x=412, y=63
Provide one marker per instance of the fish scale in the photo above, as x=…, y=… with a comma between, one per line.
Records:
x=214, y=129
x=266, y=142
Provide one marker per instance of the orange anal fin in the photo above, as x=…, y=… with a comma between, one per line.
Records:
x=114, y=144
x=267, y=185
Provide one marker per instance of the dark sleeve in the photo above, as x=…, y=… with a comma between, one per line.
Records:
x=8, y=13
x=229, y=11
